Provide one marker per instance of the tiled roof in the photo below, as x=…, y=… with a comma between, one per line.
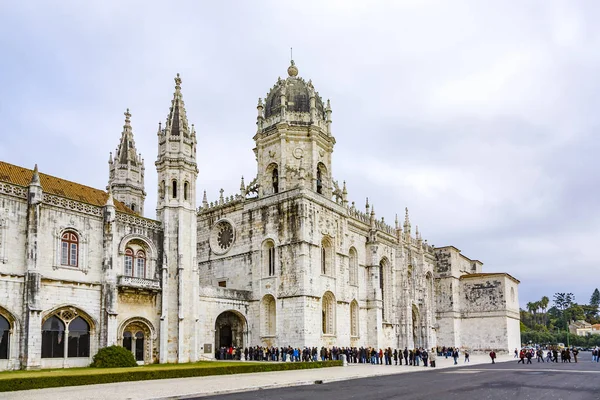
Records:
x=60, y=187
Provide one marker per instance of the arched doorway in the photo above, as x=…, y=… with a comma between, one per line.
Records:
x=137, y=334
x=230, y=328
x=416, y=329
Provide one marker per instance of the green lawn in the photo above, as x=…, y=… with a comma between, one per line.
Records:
x=24, y=380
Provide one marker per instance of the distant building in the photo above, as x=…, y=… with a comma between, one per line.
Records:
x=288, y=260
x=580, y=328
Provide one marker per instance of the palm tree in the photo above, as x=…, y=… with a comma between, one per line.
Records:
x=544, y=304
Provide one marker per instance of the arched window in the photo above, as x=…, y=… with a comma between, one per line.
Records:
x=384, y=278
x=79, y=338
x=135, y=265
x=128, y=262
x=326, y=257
x=275, y=180
x=354, y=318
x=139, y=346
x=269, y=257
x=319, y=181
x=53, y=338
x=140, y=264
x=353, y=267
x=269, y=316
x=69, y=249
x=132, y=206
x=127, y=340
x=174, y=189
x=186, y=189
x=4, y=338
x=328, y=313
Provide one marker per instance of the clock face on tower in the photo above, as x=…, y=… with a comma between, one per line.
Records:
x=222, y=237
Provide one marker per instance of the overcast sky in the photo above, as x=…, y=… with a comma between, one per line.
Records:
x=481, y=117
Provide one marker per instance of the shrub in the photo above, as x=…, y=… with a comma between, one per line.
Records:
x=76, y=378
x=113, y=357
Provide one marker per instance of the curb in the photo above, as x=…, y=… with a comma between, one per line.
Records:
x=311, y=382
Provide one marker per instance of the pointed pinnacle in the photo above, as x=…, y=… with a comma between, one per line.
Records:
x=35, y=178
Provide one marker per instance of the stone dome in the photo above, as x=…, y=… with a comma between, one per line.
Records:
x=297, y=94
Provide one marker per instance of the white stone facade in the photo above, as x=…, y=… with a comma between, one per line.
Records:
x=286, y=261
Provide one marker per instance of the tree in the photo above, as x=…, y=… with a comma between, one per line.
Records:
x=544, y=304
x=595, y=299
x=562, y=301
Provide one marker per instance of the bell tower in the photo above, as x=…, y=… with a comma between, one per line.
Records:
x=126, y=171
x=293, y=138
x=176, y=209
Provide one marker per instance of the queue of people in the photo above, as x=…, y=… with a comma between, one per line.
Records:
x=362, y=355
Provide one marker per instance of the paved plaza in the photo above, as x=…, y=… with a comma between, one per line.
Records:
x=477, y=379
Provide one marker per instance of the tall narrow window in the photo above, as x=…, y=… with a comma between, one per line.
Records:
x=129, y=262
x=140, y=264
x=69, y=249
x=319, y=181
x=174, y=189
x=272, y=260
x=186, y=190
x=53, y=337
x=132, y=206
x=323, y=260
x=79, y=338
x=275, y=180
x=382, y=287
x=4, y=332
x=353, y=267
x=328, y=312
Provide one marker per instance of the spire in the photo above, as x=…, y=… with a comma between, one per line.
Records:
x=177, y=123
x=406, y=222
x=126, y=170
x=204, y=200
x=35, y=178
x=242, y=187
x=126, y=152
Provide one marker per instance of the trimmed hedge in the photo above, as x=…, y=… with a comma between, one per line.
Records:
x=113, y=357
x=141, y=374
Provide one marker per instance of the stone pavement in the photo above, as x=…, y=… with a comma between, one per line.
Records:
x=210, y=385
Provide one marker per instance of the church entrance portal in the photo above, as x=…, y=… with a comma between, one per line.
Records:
x=229, y=330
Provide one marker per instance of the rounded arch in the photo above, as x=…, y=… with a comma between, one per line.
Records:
x=140, y=321
x=352, y=266
x=268, y=257
x=327, y=256
x=68, y=312
x=328, y=311
x=151, y=247
x=385, y=277
x=272, y=174
x=268, y=315
x=11, y=317
x=9, y=335
x=231, y=329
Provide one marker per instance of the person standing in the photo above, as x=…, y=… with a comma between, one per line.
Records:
x=432, y=357
x=455, y=355
x=493, y=356
x=405, y=354
x=467, y=356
